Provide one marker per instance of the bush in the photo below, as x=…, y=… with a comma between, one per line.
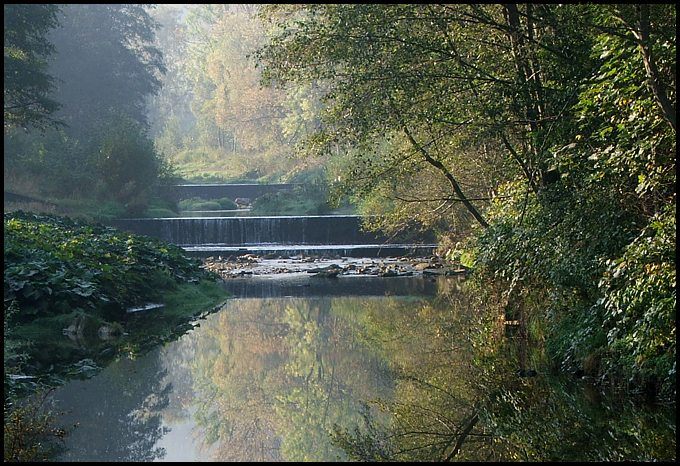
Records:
x=196, y=203
x=54, y=265
x=207, y=205
x=304, y=200
x=227, y=204
x=639, y=300
x=29, y=431
x=188, y=204
x=553, y=245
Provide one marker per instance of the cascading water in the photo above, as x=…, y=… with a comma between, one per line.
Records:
x=284, y=235
x=329, y=234
x=248, y=231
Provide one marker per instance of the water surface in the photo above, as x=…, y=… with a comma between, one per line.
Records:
x=314, y=370
x=265, y=378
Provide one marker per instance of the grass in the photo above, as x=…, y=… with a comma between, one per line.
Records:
x=297, y=202
x=197, y=203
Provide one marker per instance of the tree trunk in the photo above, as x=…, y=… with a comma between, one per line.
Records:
x=653, y=80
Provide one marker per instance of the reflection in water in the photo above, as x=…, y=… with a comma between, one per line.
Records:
x=263, y=379
x=272, y=377
x=118, y=412
x=462, y=398
x=361, y=377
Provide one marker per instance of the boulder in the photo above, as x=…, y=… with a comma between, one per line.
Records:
x=242, y=202
x=109, y=331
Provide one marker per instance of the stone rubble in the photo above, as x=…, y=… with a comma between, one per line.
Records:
x=328, y=267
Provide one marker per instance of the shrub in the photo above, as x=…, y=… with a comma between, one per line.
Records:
x=299, y=201
x=188, y=204
x=196, y=203
x=227, y=204
x=54, y=265
x=207, y=205
x=639, y=299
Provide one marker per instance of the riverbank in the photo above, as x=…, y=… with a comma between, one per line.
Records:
x=70, y=289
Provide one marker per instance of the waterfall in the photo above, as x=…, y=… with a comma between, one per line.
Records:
x=285, y=235
x=249, y=231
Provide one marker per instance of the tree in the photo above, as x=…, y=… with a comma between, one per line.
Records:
x=127, y=162
x=27, y=85
x=552, y=126
x=601, y=238
x=169, y=111
x=105, y=61
x=104, y=67
x=213, y=107
x=447, y=85
x=245, y=115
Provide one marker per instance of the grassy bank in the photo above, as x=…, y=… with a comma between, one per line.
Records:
x=89, y=209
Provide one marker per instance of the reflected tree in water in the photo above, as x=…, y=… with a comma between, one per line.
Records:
x=130, y=397
x=461, y=397
x=273, y=376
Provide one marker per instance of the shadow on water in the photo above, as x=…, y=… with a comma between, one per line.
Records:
x=390, y=369
x=302, y=285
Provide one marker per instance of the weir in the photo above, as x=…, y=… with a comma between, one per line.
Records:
x=250, y=231
x=322, y=234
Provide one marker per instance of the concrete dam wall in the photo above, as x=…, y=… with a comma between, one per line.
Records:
x=246, y=231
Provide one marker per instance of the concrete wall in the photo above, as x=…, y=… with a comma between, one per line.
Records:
x=242, y=231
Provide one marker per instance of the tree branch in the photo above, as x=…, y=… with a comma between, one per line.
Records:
x=641, y=34
x=463, y=435
x=452, y=181
x=653, y=80
x=520, y=162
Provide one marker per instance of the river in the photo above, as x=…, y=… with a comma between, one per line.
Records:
x=307, y=369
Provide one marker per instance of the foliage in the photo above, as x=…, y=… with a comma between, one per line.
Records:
x=212, y=117
x=54, y=265
x=105, y=68
x=452, y=361
x=226, y=203
x=60, y=271
x=27, y=85
x=574, y=423
x=161, y=208
x=639, y=299
x=197, y=203
x=308, y=197
x=298, y=201
x=545, y=134
x=127, y=162
x=280, y=373
x=29, y=433
x=424, y=101
x=106, y=62
x=57, y=164
x=615, y=190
